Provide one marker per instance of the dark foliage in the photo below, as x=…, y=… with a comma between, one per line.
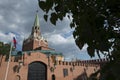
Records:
x=4, y=49
x=96, y=23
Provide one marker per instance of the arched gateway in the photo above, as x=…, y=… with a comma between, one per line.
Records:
x=37, y=71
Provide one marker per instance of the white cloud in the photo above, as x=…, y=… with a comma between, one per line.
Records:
x=6, y=37
x=13, y=26
x=1, y=17
x=58, y=39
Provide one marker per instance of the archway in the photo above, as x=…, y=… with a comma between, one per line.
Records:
x=37, y=71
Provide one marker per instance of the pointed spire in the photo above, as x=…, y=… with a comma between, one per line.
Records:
x=36, y=22
x=36, y=27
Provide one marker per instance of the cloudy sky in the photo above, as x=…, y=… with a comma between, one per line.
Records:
x=17, y=18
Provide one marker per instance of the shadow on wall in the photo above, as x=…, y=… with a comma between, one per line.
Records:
x=82, y=76
x=95, y=75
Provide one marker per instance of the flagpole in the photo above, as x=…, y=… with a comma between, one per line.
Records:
x=9, y=59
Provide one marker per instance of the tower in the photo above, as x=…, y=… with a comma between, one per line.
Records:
x=35, y=41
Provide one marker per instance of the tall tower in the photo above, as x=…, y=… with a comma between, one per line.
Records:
x=35, y=41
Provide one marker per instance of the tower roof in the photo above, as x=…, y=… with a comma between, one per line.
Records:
x=36, y=22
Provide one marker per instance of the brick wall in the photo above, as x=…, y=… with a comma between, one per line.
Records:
x=76, y=70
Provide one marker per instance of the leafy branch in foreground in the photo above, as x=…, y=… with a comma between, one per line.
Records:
x=95, y=22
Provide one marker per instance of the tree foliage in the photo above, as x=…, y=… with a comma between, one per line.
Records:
x=4, y=48
x=95, y=22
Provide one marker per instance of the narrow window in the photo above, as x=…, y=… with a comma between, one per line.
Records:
x=53, y=77
x=65, y=72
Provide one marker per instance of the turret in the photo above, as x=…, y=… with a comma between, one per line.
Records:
x=36, y=28
x=35, y=41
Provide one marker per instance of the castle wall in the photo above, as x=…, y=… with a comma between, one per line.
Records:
x=75, y=70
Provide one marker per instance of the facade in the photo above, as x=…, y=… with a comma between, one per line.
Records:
x=39, y=62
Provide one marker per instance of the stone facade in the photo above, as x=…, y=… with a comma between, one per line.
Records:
x=39, y=62
x=78, y=70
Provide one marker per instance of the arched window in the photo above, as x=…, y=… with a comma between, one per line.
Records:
x=53, y=77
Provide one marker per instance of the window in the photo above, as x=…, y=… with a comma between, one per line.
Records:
x=65, y=72
x=35, y=27
x=53, y=77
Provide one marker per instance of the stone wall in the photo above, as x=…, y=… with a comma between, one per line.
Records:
x=75, y=70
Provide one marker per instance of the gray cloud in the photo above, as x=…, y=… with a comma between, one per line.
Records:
x=17, y=18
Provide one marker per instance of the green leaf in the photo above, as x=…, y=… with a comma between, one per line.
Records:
x=91, y=51
x=53, y=18
x=52, y=21
x=88, y=19
x=42, y=5
x=60, y=16
x=97, y=51
x=57, y=8
x=45, y=17
x=72, y=25
x=79, y=43
x=49, y=4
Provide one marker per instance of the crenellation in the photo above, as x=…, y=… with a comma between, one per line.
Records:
x=66, y=63
x=63, y=62
x=59, y=62
x=82, y=63
x=70, y=63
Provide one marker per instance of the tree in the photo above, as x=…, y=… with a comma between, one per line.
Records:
x=95, y=22
x=4, y=50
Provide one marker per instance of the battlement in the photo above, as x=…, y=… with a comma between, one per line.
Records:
x=96, y=62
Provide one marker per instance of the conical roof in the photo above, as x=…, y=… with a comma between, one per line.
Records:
x=36, y=22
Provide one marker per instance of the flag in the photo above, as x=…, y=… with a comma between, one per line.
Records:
x=14, y=42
